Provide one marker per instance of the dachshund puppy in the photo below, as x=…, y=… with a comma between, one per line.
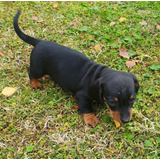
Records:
x=75, y=72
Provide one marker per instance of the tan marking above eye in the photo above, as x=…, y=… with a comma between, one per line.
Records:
x=131, y=97
x=136, y=84
x=116, y=99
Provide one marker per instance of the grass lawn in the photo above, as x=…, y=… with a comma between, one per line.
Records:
x=42, y=123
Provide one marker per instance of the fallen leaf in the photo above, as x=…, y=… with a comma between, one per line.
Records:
x=124, y=54
x=9, y=91
x=34, y=18
x=112, y=23
x=157, y=26
x=117, y=123
x=122, y=19
x=143, y=23
x=97, y=47
x=132, y=63
x=55, y=5
x=1, y=54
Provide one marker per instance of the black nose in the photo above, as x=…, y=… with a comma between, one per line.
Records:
x=125, y=119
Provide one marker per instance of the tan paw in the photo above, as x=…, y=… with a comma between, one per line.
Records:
x=75, y=107
x=90, y=119
x=35, y=84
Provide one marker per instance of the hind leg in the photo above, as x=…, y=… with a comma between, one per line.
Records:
x=34, y=78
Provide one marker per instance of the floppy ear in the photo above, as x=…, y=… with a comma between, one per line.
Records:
x=96, y=90
x=136, y=84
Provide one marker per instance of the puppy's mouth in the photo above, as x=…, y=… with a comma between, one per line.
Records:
x=121, y=118
x=115, y=115
x=118, y=117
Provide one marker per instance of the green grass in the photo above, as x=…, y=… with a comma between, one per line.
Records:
x=42, y=124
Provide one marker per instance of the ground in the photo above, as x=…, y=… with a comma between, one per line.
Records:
x=42, y=123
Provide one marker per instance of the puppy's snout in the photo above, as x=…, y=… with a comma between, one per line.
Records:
x=125, y=118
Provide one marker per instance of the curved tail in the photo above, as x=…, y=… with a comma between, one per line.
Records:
x=24, y=37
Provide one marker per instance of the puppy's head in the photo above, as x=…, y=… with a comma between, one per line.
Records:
x=119, y=90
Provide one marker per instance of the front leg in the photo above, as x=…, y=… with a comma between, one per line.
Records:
x=84, y=104
x=90, y=119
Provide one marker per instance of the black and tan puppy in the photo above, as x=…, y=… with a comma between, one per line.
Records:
x=89, y=81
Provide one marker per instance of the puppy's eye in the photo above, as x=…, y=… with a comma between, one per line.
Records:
x=116, y=99
x=111, y=102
